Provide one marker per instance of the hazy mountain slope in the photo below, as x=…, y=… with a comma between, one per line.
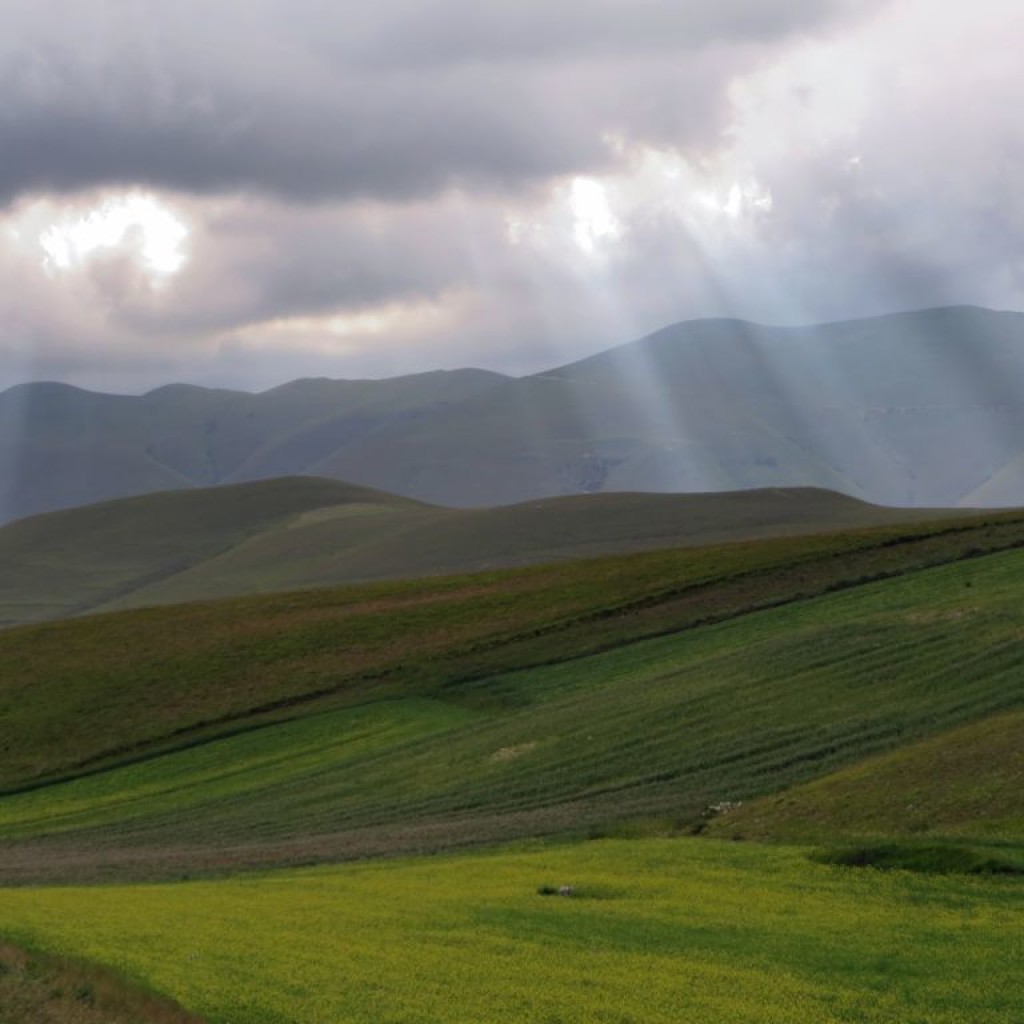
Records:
x=1002, y=489
x=914, y=409
x=549, y=435
x=59, y=563
x=347, y=411
x=61, y=446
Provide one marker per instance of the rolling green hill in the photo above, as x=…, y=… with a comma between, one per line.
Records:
x=417, y=715
x=601, y=718
x=300, y=532
x=62, y=563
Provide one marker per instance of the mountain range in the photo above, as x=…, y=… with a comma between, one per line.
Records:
x=913, y=409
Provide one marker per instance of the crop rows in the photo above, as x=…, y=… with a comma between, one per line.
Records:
x=664, y=726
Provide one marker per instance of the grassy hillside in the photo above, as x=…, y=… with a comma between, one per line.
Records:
x=401, y=540
x=299, y=532
x=855, y=684
x=967, y=783
x=657, y=932
x=61, y=563
x=419, y=740
x=83, y=691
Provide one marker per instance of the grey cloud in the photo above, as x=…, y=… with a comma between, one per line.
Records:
x=450, y=31
x=931, y=213
x=257, y=261
x=395, y=99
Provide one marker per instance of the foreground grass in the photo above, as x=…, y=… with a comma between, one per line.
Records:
x=84, y=693
x=658, y=931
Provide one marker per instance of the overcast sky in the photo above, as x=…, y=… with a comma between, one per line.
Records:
x=241, y=192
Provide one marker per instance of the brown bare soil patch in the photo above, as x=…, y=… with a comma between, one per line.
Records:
x=36, y=988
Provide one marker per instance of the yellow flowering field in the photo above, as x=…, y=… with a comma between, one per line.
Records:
x=655, y=930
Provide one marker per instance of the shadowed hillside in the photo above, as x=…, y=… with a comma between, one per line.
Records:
x=299, y=532
x=61, y=563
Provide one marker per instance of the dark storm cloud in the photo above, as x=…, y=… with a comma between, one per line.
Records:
x=312, y=100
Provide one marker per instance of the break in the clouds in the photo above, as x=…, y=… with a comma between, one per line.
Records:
x=241, y=193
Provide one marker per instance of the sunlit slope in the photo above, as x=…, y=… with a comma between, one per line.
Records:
x=560, y=433
x=65, y=562
x=665, y=727
x=662, y=931
x=965, y=783
x=1001, y=489
x=910, y=409
x=107, y=687
x=358, y=542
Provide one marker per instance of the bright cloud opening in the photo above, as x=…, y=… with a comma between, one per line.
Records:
x=593, y=220
x=135, y=222
x=736, y=200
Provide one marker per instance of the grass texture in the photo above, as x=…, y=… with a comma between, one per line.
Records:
x=300, y=532
x=965, y=783
x=658, y=931
x=81, y=694
x=667, y=727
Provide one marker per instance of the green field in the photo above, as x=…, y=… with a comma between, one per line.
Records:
x=965, y=783
x=301, y=532
x=610, y=717
x=658, y=931
x=665, y=727
x=81, y=694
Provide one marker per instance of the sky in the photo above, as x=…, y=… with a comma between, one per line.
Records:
x=237, y=193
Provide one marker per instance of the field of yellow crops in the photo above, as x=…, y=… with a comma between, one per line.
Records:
x=655, y=931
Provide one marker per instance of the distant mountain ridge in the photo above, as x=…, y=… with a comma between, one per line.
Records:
x=62, y=446
x=916, y=409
